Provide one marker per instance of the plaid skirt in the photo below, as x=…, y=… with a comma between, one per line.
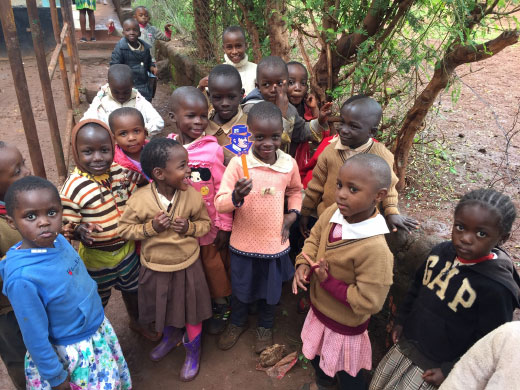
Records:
x=397, y=372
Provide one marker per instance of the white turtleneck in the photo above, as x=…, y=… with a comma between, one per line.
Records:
x=247, y=72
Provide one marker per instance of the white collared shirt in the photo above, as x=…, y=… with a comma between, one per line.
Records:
x=354, y=231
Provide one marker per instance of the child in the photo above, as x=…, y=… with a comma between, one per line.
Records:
x=225, y=94
x=466, y=288
x=349, y=267
x=206, y=161
x=149, y=33
x=127, y=125
x=358, y=119
x=12, y=348
x=167, y=216
x=297, y=91
x=94, y=197
x=271, y=85
x=259, y=244
x=135, y=53
x=119, y=93
x=87, y=7
x=70, y=343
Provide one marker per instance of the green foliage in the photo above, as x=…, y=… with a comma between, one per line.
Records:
x=177, y=12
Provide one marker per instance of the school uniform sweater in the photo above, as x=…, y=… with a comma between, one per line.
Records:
x=321, y=190
x=365, y=265
x=167, y=251
x=451, y=305
x=8, y=237
x=221, y=132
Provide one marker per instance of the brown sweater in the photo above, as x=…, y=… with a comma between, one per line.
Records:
x=167, y=251
x=364, y=264
x=221, y=132
x=321, y=190
x=8, y=237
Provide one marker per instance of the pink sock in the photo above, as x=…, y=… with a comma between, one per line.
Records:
x=193, y=330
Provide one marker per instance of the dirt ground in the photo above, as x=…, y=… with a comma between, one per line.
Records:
x=467, y=126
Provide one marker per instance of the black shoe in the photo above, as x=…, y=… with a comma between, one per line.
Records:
x=217, y=323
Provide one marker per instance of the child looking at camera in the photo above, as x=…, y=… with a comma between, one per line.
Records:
x=149, y=33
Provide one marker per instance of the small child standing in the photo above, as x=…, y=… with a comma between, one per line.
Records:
x=118, y=93
x=260, y=265
x=69, y=340
x=135, y=53
x=167, y=216
x=465, y=289
x=349, y=267
x=206, y=161
x=149, y=33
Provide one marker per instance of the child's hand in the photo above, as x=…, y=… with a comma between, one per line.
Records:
x=134, y=177
x=67, y=231
x=288, y=220
x=324, y=113
x=397, y=331
x=242, y=188
x=312, y=103
x=168, y=28
x=66, y=385
x=282, y=101
x=304, y=222
x=222, y=239
x=161, y=222
x=153, y=70
x=301, y=278
x=203, y=84
x=433, y=376
x=396, y=221
x=84, y=232
x=180, y=225
x=321, y=268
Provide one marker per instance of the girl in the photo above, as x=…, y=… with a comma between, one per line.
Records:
x=466, y=288
x=349, y=266
x=70, y=343
x=259, y=247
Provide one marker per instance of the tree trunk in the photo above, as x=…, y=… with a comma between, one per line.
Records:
x=202, y=15
x=277, y=29
x=444, y=69
x=251, y=29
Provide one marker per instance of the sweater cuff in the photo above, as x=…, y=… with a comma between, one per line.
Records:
x=192, y=229
x=235, y=202
x=299, y=261
x=336, y=288
x=148, y=230
x=58, y=380
x=391, y=210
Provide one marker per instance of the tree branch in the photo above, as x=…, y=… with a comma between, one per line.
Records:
x=252, y=30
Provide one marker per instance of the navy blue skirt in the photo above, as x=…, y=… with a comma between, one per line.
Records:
x=254, y=278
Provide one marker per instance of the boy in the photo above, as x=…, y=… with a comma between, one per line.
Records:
x=225, y=93
x=12, y=347
x=149, y=33
x=119, y=93
x=271, y=85
x=359, y=118
x=135, y=53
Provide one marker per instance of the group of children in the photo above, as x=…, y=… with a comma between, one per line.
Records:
x=175, y=225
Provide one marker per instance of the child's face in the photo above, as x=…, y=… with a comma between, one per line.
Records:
x=267, y=138
x=225, y=97
x=37, y=217
x=357, y=193
x=142, y=17
x=12, y=168
x=270, y=80
x=297, y=86
x=476, y=230
x=191, y=118
x=131, y=31
x=121, y=90
x=176, y=173
x=94, y=149
x=129, y=134
x=355, y=127
x=234, y=44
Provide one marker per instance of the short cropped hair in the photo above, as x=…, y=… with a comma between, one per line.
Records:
x=298, y=64
x=26, y=184
x=155, y=154
x=264, y=111
x=225, y=70
x=124, y=111
x=234, y=29
x=120, y=73
x=184, y=94
x=377, y=168
x=272, y=62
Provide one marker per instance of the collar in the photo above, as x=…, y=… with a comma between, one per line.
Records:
x=108, y=91
x=138, y=48
x=283, y=162
x=214, y=128
x=373, y=226
x=241, y=64
x=476, y=261
x=359, y=149
x=142, y=25
x=175, y=137
x=164, y=201
x=2, y=208
x=100, y=179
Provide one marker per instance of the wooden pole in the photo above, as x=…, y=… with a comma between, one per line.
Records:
x=48, y=99
x=20, y=85
x=72, y=48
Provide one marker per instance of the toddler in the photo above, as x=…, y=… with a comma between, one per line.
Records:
x=206, y=161
x=349, y=267
x=466, y=288
x=149, y=33
x=297, y=91
x=259, y=243
x=70, y=342
x=168, y=216
x=119, y=93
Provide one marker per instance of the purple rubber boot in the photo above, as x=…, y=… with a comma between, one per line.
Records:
x=171, y=338
x=190, y=369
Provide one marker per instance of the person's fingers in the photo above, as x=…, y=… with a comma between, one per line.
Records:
x=311, y=263
x=301, y=285
x=294, y=286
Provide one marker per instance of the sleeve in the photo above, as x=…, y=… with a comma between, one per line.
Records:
x=158, y=34
x=116, y=57
x=92, y=112
x=154, y=123
x=311, y=245
x=130, y=226
x=495, y=308
x=199, y=223
x=293, y=192
x=315, y=188
x=71, y=209
x=390, y=202
x=406, y=305
x=224, y=221
x=337, y=288
x=34, y=325
x=306, y=131
x=223, y=199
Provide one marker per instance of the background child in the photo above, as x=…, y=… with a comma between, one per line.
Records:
x=94, y=197
x=466, y=288
x=168, y=216
x=359, y=118
x=206, y=161
x=68, y=338
x=119, y=93
x=149, y=33
x=12, y=348
x=225, y=94
x=297, y=91
x=87, y=7
x=135, y=53
x=349, y=266
x=259, y=266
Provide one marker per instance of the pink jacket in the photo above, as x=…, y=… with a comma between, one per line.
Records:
x=122, y=159
x=257, y=226
x=206, y=160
